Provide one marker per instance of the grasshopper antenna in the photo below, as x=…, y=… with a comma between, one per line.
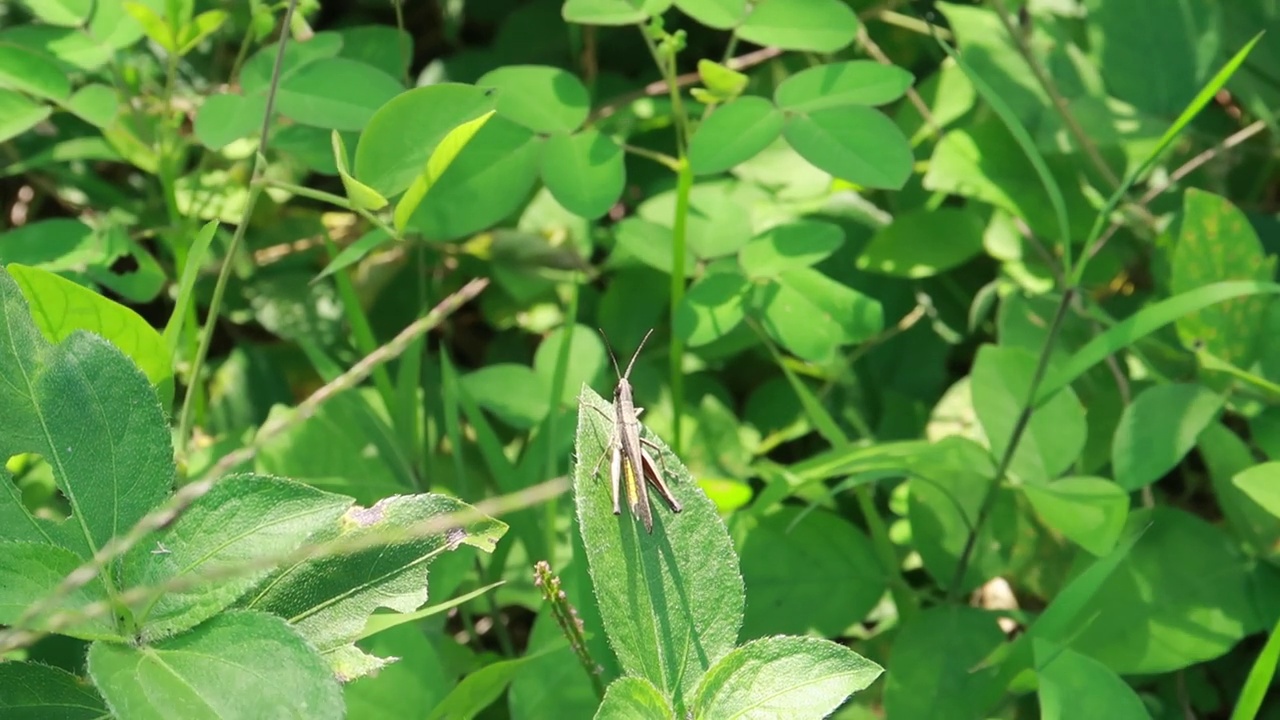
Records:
x=637, y=354
x=617, y=371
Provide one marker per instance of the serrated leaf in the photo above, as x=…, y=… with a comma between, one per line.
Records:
x=795, y=677
x=30, y=691
x=256, y=517
x=93, y=416
x=669, y=613
x=63, y=307
x=239, y=664
x=329, y=599
x=30, y=571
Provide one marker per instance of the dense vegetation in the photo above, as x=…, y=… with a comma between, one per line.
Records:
x=962, y=397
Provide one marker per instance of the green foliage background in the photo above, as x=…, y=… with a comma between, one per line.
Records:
x=964, y=364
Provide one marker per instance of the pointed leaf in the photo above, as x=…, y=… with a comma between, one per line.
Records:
x=672, y=601
x=360, y=195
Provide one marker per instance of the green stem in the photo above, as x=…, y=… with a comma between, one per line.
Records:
x=679, y=231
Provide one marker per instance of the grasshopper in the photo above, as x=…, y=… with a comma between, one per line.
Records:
x=631, y=463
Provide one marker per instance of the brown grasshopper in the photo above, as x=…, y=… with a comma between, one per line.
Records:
x=631, y=463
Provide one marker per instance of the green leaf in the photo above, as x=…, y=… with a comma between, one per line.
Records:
x=488, y=181
x=922, y=243
x=854, y=143
x=200, y=27
x=91, y=414
x=1261, y=676
x=794, y=677
x=807, y=573
x=734, y=133
x=1089, y=511
x=716, y=225
x=1142, y=323
x=30, y=571
x=587, y=359
x=57, y=245
x=1056, y=432
x=795, y=245
x=722, y=82
x=823, y=26
x=441, y=158
x=227, y=117
x=612, y=12
x=402, y=134
x=329, y=599
x=1158, y=429
x=1181, y=597
x=1216, y=243
x=62, y=307
x=156, y=27
x=336, y=94
x=18, y=114
x=651, y=244
x=409, y=686
x=633, y=698
x=32, y=73
x=30, y=691
x=1072, y=685
x=62, y=12
x=718, y=14
x=712, y=308
x=256, y=517
x=361, y=196
x=1262, y=484
x=668, y=613
x=270, y=668
x=196, y=255
x=255, y=76
x=1128, y=41
x=479, y=689
x=812, y=315
x=948, y=484
x=332, y=448
x=96, y=104
x=542, y=98
x=586, y=172
x=932, y=669
x=514, y=393
x=356, y=251
x=840, y=84
x=382, y=622
x=984, y=161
